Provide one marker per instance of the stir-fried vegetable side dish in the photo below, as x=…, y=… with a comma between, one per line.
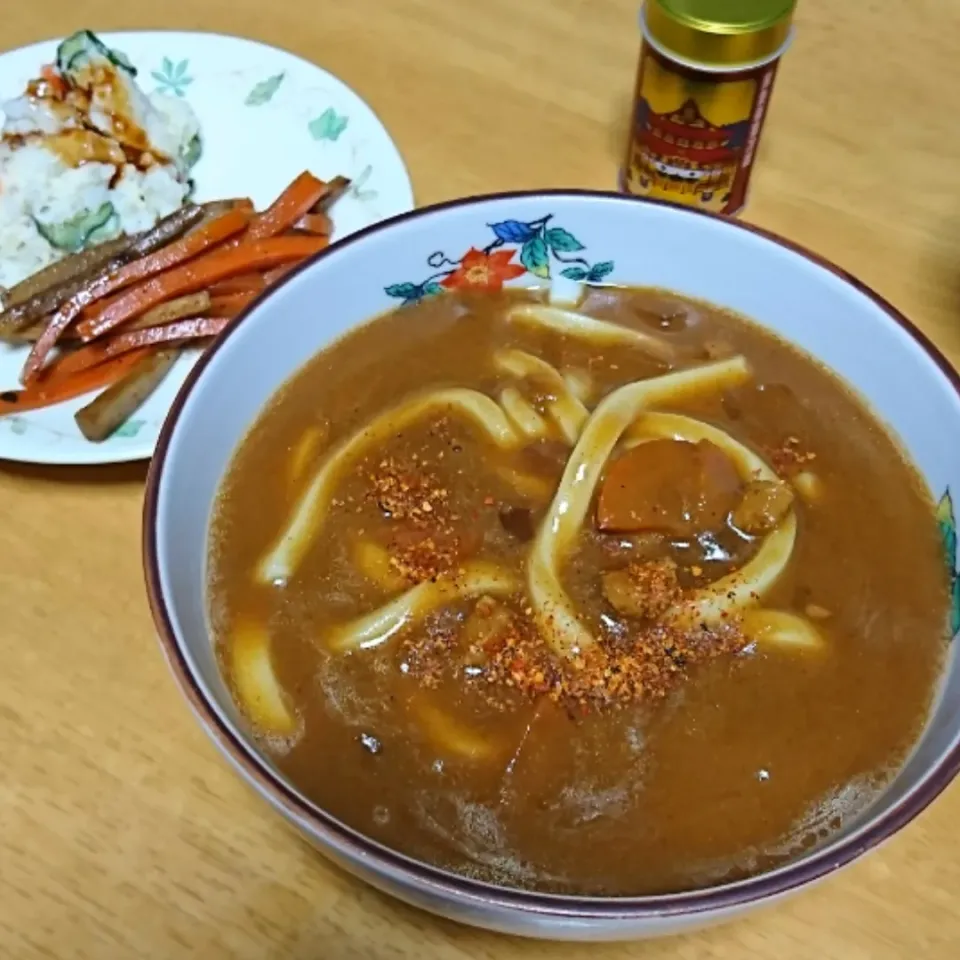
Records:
x=622, y=599
x=117, y=315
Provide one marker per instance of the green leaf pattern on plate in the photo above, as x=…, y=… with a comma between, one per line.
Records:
x=328, y=126
x=358, y=187
x=264, y=91
x=173, y=78
x=129, y=429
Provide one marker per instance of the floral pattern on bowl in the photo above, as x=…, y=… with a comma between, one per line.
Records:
x=946, y=520
x=541, y=248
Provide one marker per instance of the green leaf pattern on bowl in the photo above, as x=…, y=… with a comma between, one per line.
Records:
x=543, y=249
x=947, y=522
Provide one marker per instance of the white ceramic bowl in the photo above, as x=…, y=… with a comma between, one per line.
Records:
x=608, y=237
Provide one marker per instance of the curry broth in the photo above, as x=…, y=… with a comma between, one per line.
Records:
x=748, y=759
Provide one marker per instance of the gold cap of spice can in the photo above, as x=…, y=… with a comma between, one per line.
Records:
x=704, y=81
x=720, y=33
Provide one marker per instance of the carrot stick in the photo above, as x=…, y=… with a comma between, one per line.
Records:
x=245, y=283
x=70, y=364
x=289, y=207
x=318, y=223
x=95, y=354
x=194, y=243
x=64, y=316
x=199, y=274
x=180, y=331
x=336, y=188
x=187, y=247
x=55, y=390
x=272, y=276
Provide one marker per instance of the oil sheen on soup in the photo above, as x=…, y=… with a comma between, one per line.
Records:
x=627, y=600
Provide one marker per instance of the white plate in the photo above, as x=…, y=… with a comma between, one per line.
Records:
x=265, y=116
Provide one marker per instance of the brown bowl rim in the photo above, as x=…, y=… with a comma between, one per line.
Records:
x=353, y=844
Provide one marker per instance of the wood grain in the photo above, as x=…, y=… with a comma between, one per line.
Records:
x=121, y=832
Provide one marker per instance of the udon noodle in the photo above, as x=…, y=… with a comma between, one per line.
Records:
x=552, y=591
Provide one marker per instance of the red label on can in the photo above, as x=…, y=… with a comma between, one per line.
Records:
x=694, y=133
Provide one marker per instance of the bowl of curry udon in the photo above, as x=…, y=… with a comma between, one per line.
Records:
x=569, y=565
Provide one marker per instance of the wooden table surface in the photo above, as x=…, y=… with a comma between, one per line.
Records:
x=122, y=834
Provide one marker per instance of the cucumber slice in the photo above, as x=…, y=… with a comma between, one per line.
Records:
x=122, y=61
x=191, y=152
x=109, y=231
x=76, y=45
x=80, y=48
x=73, y=235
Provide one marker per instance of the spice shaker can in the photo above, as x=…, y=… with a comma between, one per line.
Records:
x=704, y=80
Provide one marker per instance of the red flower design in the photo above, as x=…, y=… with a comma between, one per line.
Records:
x=484, y=271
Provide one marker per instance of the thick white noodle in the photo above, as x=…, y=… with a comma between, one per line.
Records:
x=377, y=627
x=598, y=332
x=290, y=547
x=567, y=412
x=579, y=383
x=781, y=629
x=554, y=611
x=450, y=735
x=522, y=413
x=255, y=681
x=307, y=447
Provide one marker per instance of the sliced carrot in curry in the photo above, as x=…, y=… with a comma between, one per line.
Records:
x=669, y=485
